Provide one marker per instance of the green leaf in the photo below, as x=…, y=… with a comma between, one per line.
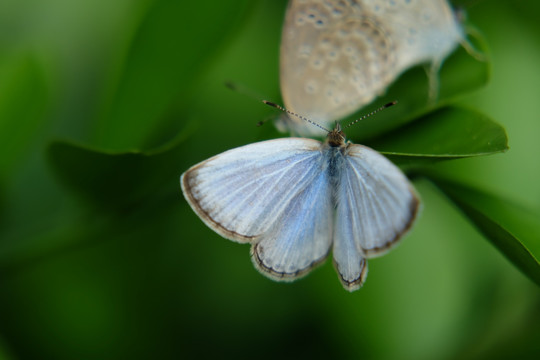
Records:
x=512, y=228
x=447, y=133
x=160, y=69
x=460, y=74
x=118, y=190
x=5, y=353
x=23, y=108
x=464, y=72
x=118, y=180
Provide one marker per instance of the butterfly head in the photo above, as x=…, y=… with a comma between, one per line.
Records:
x=336, y=137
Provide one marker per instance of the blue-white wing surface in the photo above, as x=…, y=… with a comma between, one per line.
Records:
x=302, y=236
x=274, y=194
x=376, y=207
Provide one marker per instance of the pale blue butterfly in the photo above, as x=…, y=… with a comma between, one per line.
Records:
x=296, y=199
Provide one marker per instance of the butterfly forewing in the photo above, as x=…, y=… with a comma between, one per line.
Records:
x=240, y=193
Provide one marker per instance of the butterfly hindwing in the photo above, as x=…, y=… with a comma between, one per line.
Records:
x=302, y=236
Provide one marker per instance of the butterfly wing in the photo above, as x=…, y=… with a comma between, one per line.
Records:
x=273, y=194
x=421, y=30
x=376, y=207
x=301, y=237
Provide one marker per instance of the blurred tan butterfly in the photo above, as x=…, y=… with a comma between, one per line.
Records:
x=338, y=55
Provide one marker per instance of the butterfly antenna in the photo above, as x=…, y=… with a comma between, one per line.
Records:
x=263, y=121
x=295, y=114
x=371, y=113
x=243, y=89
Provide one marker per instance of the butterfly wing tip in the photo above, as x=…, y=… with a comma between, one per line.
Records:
x=352, y=286
x=358, y=282
x=276, y=275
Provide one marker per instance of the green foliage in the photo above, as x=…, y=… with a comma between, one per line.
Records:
x=23, y=108
x=160, y=68
x=445, y=134
x=460, y=74
x=116, y=181
x=104, y=104
x=513, y=229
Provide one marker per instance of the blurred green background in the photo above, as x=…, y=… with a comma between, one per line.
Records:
x=101, y=257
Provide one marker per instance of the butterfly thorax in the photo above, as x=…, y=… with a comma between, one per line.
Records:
x=335, y=151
